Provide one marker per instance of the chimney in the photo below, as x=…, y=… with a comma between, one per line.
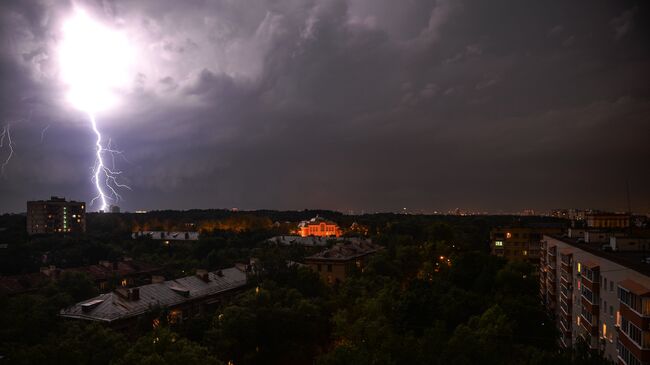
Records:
x=203, y=275
x=157, y=279
x=131, y=294
x=220, y=273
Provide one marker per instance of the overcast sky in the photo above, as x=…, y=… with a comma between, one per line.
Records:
x=371, y=105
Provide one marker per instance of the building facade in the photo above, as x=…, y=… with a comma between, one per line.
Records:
x=520, y=243
x=320, y=227
x=338, y=262
x=608, y=220
x=599, y=296
x=56, y=216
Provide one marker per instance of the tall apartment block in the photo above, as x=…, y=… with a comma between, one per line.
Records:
x=56, y=216
x=601, y=296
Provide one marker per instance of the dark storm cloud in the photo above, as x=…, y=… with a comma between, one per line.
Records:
x=358, y=104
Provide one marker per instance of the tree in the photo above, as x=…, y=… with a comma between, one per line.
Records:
x=163, y=347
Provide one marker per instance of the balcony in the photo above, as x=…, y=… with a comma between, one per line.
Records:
x=566, y=277
x=589, y=306
x=627, y=347
x=566, y=291
x=565, y=326
x=566, y=308
x=592, y=330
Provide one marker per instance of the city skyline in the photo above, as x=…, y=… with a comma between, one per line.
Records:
x=345, y=105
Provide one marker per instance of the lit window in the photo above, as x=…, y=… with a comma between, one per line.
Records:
x=124, y=282
x=579, y=267
x=498, y=243
x=604, y=330
x=525, y=253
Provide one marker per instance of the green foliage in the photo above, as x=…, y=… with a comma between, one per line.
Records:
x=163, y=347
x=270, y=325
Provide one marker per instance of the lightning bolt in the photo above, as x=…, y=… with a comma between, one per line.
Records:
x=6, y=133
x=43, y=133
x=104, y=177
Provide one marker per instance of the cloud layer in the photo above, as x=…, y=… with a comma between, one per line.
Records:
x=356, y=105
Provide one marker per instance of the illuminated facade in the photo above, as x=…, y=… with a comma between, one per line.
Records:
x=598, y=296
x=608, y=220
x=56, y=216
x=320, y=227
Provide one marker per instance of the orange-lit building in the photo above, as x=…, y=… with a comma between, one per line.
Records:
x=608, y=220
x=318, y=226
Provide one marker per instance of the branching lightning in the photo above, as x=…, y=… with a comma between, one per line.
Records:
x=6, y=135
x=104, y=175
x=95, y=62
x=43, y=133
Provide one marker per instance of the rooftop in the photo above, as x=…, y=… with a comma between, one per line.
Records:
x=105, y=269
x=629, y=259
x=344, y=251
x=113, y=306
x=314, y=221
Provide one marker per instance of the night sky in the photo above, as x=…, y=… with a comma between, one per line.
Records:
x=370, y=105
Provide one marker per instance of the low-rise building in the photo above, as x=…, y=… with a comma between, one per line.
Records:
x=339, y=261
x=55, y=216
x=180, y=299
x=600, y=296
x=318, y=226
x=521, y=243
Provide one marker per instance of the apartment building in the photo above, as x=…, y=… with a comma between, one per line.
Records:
x=55, y=216
x=598, y=295
x=521, y=243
